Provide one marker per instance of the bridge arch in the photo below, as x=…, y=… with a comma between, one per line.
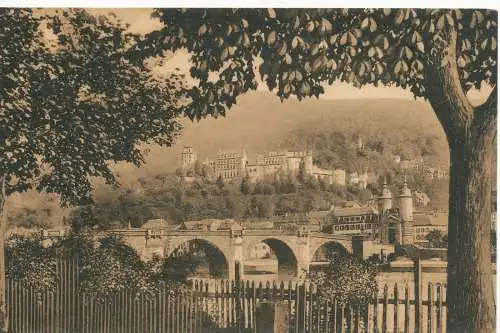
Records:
x=281, y=250
x=196, y=253
x=320, y=250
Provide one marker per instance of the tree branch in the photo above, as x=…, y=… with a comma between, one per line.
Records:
x=485, y=115
x=445, y=92
x=490, y=106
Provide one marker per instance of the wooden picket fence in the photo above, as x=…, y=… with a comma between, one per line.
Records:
x=219, y=304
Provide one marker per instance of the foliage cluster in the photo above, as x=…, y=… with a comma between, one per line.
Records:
x=106, y=265
x=347, y=279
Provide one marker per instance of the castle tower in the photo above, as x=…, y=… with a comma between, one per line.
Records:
x=384, y=200
x=308, y=162
x=407, y=233
x=188, y=157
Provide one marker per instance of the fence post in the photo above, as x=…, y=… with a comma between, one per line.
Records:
x=418, y=294
x=237, y=293
x=272, y=317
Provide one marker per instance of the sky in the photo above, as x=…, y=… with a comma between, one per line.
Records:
x=141, y=23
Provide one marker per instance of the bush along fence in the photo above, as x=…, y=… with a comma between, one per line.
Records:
x=222, y=304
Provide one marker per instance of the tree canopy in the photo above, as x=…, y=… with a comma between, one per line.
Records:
x=72, y=103
x=297, y=51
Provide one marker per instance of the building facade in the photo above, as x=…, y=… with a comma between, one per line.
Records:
x=229, y=165
x=188, y=158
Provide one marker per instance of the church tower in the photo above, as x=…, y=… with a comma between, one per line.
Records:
x=407, y=228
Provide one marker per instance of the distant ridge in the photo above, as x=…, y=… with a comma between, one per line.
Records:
x=259, y=122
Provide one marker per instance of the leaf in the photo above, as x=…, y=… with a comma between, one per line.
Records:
x=343, y=39
x=332, y=64
x=202, y=30
x=357, y=33
x=271, y=13
x=408, y=53
x=224, y=54
x=282, y=49
x=298, y=76
x=484, y=44
x=288, y=59
x=271, y=38
x=352, y=39
x=244, y=23
x=420, y=47
x=373, y=25
x=317, y=64
x=314, y=49
x=305, y=89
x=371, y=51
x=493, y=43
x=246, y=40
x=295, y=42
x=326, y=26
x=296, y=25
x=379, y=68
x=310, y=26
x=416, y=37
x=397, y=68
x=365, y=24
x=440, y=22
x=461, y=62
x=287, y=89
x=362, y=69
x=398, y=19
x=387, y=11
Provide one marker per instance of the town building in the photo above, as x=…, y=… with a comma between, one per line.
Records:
x=425, y=222
x=322, y=174
x=421, y=199
x=353, y=178
x=339, y=177
x=435, y=173
x=363, y=180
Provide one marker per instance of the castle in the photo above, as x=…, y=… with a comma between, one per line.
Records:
x=233, y=165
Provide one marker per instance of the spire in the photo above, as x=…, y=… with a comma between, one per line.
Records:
x=405, y=192
x=386, y=192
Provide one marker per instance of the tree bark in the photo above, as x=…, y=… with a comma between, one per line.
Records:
x=470, y=132
x=3, y=220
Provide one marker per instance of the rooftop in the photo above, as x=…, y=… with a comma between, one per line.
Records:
x=353, y=211
x=435, y=219
x=155, y=224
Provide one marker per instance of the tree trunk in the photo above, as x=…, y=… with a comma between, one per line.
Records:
x=470, y=295
x=470, y=132
x=3, y=221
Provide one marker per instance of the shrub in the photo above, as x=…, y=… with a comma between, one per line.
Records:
x=347, y=279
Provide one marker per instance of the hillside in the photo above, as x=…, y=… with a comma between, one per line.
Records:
x=260, y=122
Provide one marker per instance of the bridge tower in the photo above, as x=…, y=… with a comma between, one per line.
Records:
x=407, y=228
x=384, y=203
x=384, y=200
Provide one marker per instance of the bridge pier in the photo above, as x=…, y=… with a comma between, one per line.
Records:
x=237, y=245
x=303, y=257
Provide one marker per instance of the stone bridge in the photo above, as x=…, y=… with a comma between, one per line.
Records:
x=295, y=248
